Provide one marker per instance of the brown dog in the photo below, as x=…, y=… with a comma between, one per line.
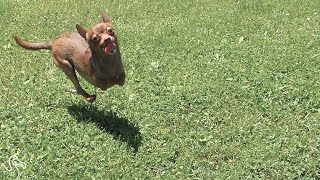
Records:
x=95, y=54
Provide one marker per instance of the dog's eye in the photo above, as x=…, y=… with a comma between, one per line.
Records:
x=110, y=31
x=96, y=39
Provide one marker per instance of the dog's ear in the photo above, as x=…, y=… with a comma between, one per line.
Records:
x=105, y=17
x=81, y=31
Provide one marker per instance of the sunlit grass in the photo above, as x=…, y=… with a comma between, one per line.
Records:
x=215, y=89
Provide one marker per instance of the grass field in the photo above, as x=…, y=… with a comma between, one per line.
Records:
x=215, y=90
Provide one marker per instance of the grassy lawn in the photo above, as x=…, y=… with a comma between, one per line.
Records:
x=215, y=90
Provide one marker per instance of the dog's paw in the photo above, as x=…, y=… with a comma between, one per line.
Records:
x=91, y=98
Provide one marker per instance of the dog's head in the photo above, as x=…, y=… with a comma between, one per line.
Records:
x=102, y=37
x=102, y=40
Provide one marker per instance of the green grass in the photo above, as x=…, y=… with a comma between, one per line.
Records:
x=215, y=90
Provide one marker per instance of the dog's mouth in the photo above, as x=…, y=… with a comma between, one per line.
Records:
x=110, y=49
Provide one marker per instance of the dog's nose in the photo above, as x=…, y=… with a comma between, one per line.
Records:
x=107, y=41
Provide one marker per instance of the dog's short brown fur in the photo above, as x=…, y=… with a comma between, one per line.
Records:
x=93, y=53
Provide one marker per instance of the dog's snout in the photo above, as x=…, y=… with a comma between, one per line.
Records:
x=107, y=40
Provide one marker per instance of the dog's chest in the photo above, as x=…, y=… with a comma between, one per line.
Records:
x=103, y=75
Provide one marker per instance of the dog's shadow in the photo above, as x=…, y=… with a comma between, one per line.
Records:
x=120, y=128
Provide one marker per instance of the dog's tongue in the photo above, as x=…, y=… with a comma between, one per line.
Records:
x=110, y=49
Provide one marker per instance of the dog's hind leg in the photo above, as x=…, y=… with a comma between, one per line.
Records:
x=69, y=70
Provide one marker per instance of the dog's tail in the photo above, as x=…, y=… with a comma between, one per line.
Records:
x=33, y=46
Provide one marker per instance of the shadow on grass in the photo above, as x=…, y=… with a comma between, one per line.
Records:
x=120, y=128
